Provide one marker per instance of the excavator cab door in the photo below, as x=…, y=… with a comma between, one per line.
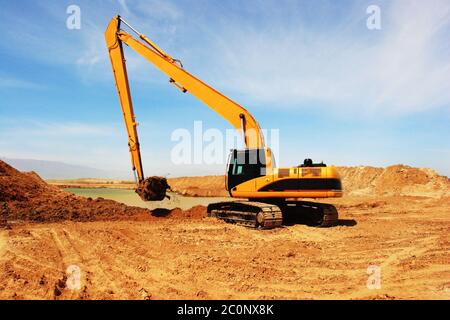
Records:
x=244, y=165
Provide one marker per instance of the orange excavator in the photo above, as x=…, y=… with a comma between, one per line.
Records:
x=265, y=193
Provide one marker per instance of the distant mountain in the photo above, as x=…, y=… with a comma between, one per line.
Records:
x=60, y=170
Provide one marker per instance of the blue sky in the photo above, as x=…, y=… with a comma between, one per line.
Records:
x=337, y=91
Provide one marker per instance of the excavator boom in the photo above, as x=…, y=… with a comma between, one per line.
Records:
x=237, y=115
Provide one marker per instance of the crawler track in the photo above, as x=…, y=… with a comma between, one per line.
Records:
x=247, y=213
x=321, y=215
x=264, y=215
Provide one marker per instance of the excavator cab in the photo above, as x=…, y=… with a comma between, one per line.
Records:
x=244, y=165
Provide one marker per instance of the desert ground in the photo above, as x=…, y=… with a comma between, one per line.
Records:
x=395, y=218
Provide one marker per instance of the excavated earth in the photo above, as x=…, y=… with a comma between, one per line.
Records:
x=393, y=219
x=26, y=197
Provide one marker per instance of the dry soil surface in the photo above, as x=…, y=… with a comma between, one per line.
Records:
x=176, y=254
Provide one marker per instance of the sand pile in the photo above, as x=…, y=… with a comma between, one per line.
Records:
x=196, y=212
x=26, y=197
x=208, y=186
x=397, y=180
x=394, y=180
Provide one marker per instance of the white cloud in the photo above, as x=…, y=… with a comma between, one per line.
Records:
x=341, y=66
x=93, y=61
x=72, y=129
x=15, y=83
x=159, y=9
x=411, y=75
x=48, y=129
x=270, y=60
x=92, y=144
x=399, y=70
x=124, y=6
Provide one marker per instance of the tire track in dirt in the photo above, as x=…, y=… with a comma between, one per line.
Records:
x=68, y=256
x=169, y=273
x=62, y=249
x=418, y=249
x=417, y=258
x=36, y=239
x=151, y=273
x=114, y=270
x=93, y=257
x=390, y=273
x=28, y=259
x=3, y=244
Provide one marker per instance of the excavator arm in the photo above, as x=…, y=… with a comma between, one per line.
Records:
x=237, y=115
x=121, y=78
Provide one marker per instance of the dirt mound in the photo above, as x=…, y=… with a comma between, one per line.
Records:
x=26, y=197
x=197, y=212
x=396, y=180
x=207, y=186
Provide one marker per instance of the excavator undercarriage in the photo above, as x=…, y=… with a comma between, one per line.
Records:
x=264, y=215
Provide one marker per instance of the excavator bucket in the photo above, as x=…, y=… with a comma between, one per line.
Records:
x=153, y=189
